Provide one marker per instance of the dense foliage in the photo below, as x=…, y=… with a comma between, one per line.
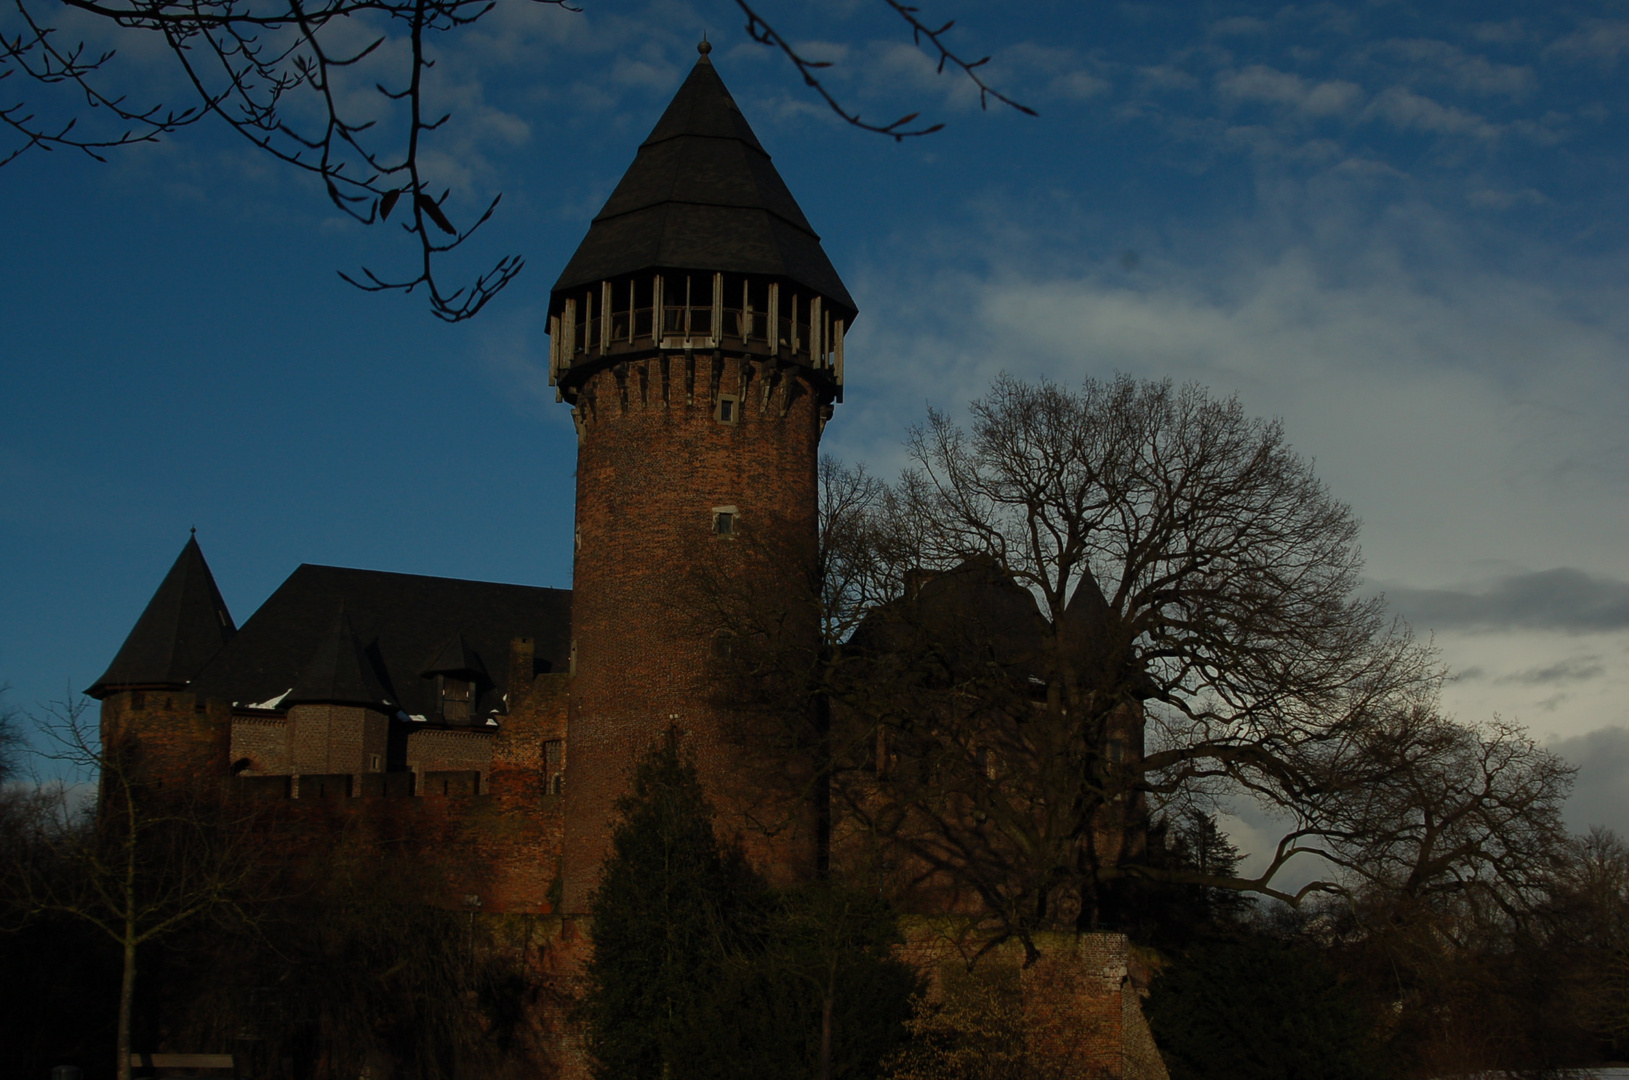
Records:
x=1260, y=1009
x=701, y=970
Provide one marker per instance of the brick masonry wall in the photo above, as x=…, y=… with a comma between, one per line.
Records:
x=262, y=742
x=653, y=465
x=330, y=739
x=448, y=749
x=173, y=737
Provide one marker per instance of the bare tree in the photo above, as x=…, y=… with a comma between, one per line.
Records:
x=1445, y=812
x=337, y=89
x=1124, y=592
x=1095, y=604
x=137, y=864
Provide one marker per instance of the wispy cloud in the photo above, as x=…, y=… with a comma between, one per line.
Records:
x=1406, y=110
x=1571, y=670
x=1598, y=40
x=1305, y=96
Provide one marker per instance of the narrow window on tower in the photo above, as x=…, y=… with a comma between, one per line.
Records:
x=724, y=520
x=728, y=409
x=554, y=766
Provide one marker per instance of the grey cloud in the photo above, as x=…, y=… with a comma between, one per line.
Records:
x=1560, y=599
x=1572, y=669
x=1600, y=795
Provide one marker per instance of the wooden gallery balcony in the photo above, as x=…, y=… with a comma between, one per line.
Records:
x=695, y=312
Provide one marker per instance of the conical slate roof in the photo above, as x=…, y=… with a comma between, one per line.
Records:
x=183, y=625
x=339, y=673
x=702, y=194
x=455, y=657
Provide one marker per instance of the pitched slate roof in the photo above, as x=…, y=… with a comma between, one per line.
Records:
x=702, y=194
x=182, y=627
x=399, y=623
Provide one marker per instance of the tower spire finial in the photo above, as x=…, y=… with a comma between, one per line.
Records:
x=704, y=46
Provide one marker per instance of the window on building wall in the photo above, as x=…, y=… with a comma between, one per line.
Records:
x=455, y=695
x=374, y=763
x=554, y=766
x=728, y=409
x=724, y=520
x=1117, y=750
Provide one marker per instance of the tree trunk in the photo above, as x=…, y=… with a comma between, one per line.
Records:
x=825, y=1035
x=127, y=994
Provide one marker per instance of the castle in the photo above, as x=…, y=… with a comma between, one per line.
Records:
x=697, y=335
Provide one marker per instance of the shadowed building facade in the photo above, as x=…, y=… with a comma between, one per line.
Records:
x=697, y=336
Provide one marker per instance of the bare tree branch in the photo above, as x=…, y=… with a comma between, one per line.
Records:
x=258, y=64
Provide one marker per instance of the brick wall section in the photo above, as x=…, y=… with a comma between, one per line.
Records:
x=520, y=839
x=653, y=464
x=174, y=737
x=262, y=742
x=449, y=750
x=335, y=739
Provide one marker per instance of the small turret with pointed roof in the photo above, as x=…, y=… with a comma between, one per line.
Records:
x=700, y=246
x=340, y=672
x=182, y=627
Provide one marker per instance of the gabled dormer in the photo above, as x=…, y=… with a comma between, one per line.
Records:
x=460, y=678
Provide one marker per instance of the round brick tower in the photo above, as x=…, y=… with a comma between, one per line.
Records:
x=698, y=336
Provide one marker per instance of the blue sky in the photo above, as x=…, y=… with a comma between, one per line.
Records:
x=1399, y=227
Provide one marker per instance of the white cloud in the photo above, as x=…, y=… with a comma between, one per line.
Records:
x=1443, y=62
x=1312, y=99
x=1408, y=111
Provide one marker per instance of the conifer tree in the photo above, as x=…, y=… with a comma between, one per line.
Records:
x=701, y=970
x=673, y=907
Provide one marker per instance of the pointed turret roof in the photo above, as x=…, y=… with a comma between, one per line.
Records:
x=455, y=657
x=182, y=627
x=702, y=194
x=340, y=672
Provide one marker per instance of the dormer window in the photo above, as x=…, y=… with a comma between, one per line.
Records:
x=454, y=694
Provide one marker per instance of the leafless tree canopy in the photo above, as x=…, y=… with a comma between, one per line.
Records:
x=303, y=82
x=138, y=864
x=1089, y=604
